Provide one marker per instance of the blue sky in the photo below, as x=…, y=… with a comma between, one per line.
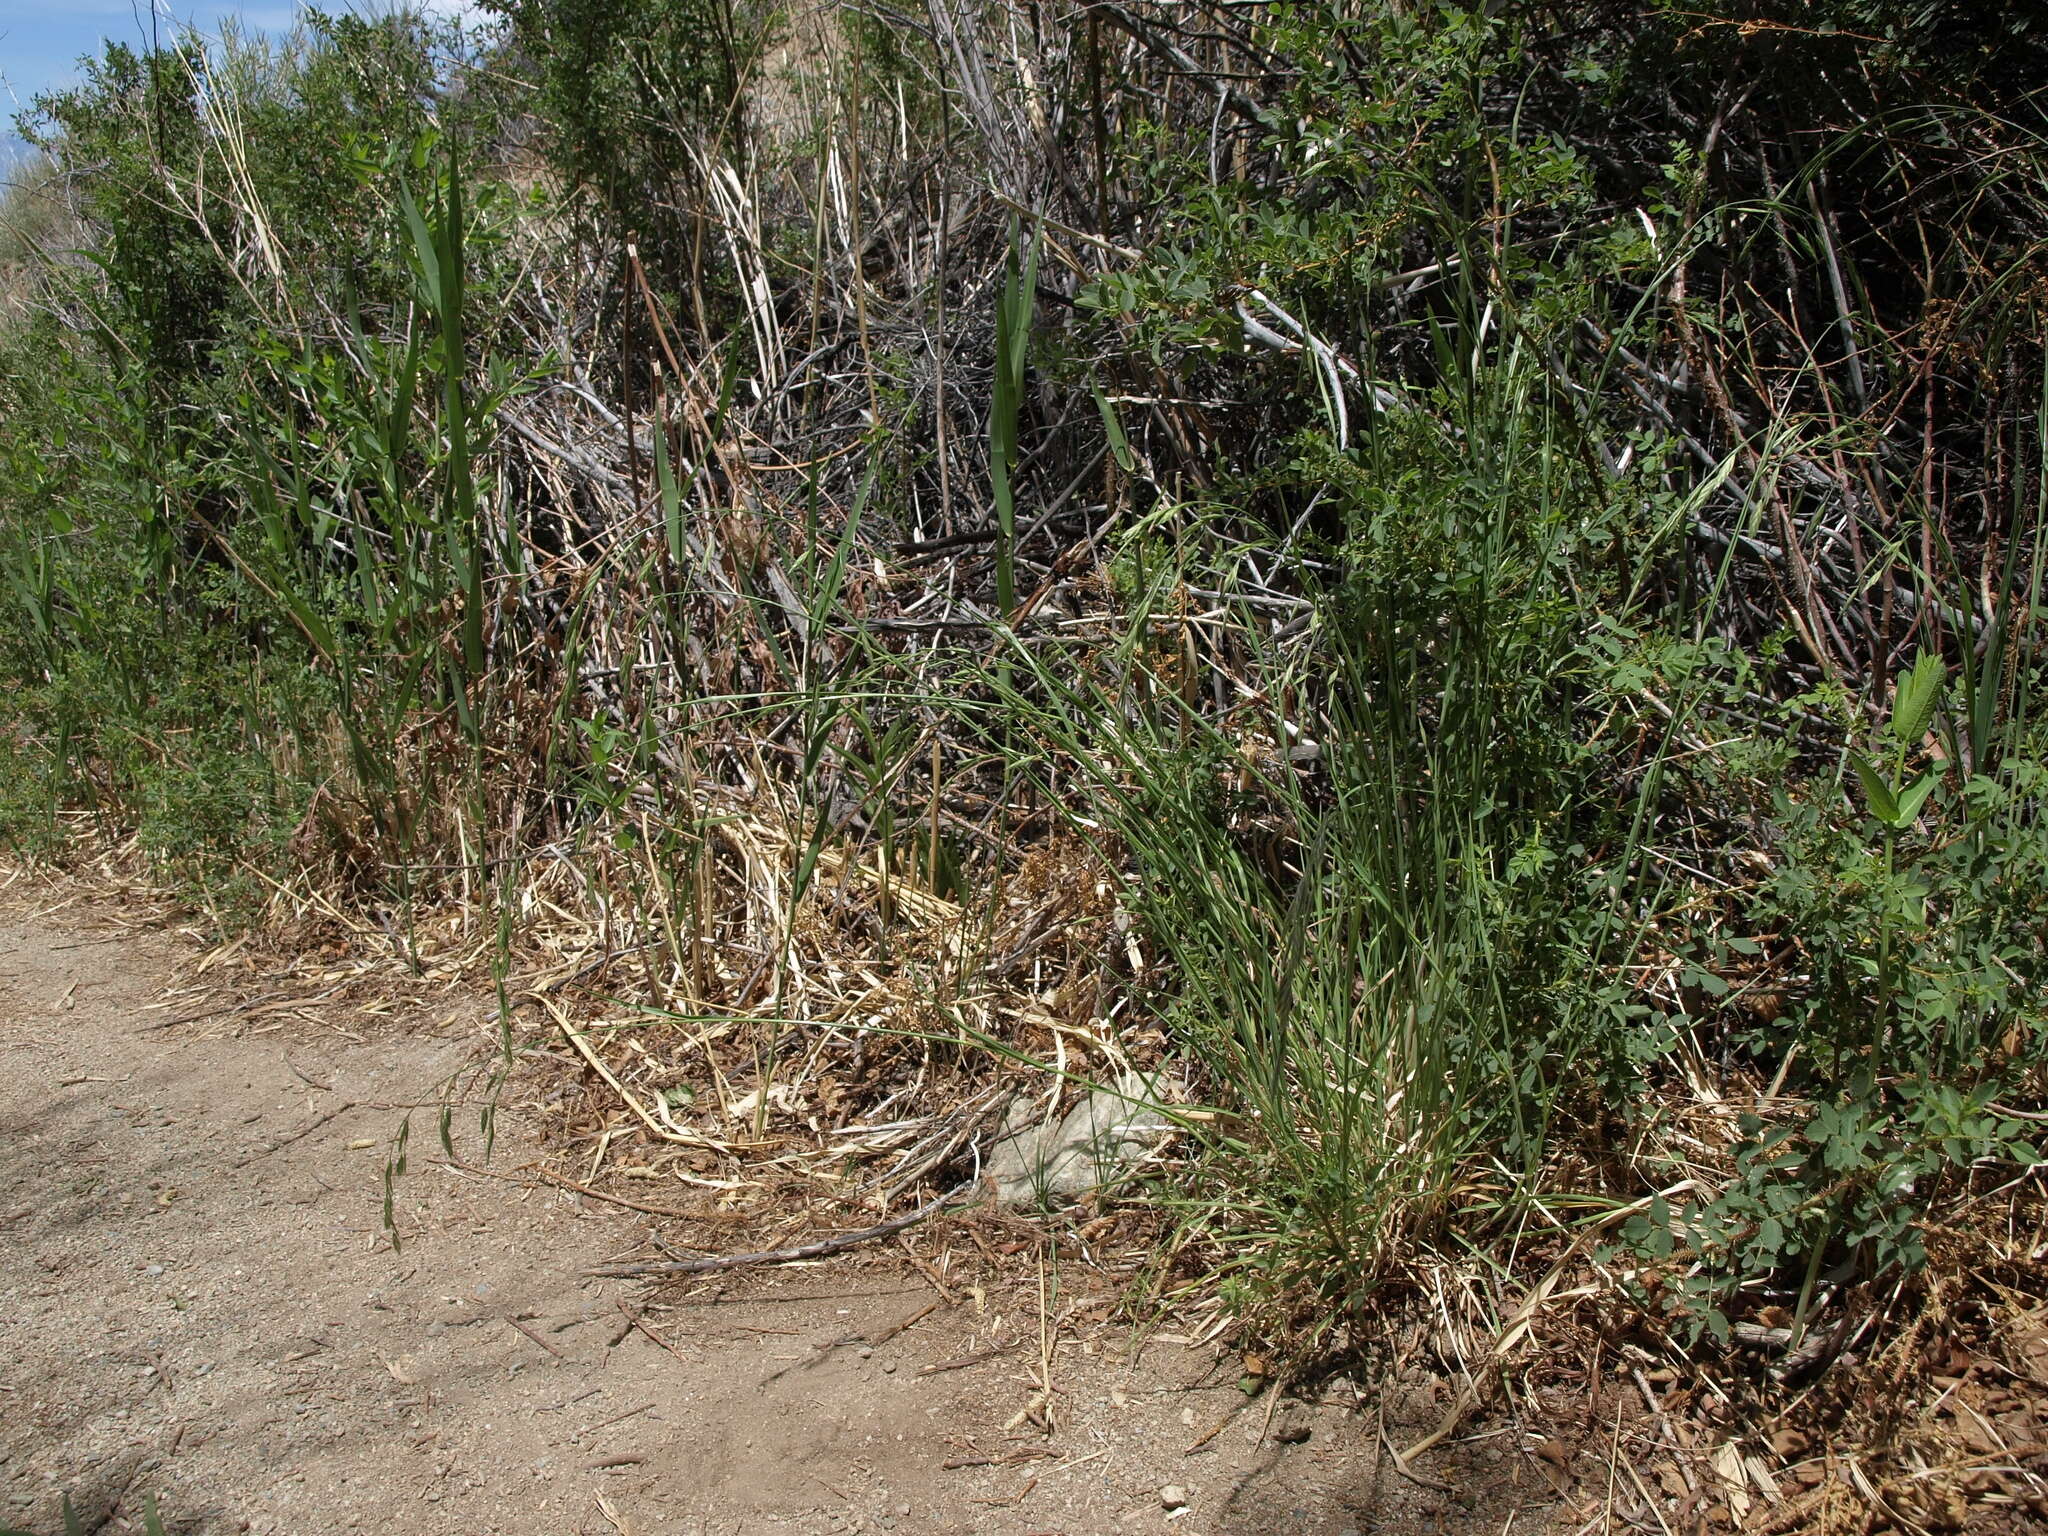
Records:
x=41, y=40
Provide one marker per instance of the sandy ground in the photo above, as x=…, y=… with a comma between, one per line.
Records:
x=199, y=1303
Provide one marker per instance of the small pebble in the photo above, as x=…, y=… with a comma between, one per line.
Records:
x=154, y=1269
x=1291, y=1424
x=1173, y=1496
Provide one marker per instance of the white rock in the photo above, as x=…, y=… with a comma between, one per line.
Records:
x=1038, y=1162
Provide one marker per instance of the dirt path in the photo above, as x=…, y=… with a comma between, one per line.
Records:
x=197, y=1302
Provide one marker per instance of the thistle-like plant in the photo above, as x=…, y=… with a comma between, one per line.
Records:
x=1895, y=803
x=1886, y=793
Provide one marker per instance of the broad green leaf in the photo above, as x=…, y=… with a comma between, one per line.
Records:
x=1876, y=793
x=1919, y=691
x=1915, y=795
x=1119, y=445
x=671, y=496
x=425, y=247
